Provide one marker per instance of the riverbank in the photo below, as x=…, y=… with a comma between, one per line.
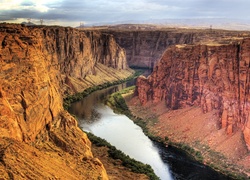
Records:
x=117, y=164
x=179, y=129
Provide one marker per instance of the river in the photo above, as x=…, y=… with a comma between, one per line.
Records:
x=167, y=162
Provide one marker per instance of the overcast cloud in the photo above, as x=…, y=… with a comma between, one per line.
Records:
x=72, y=12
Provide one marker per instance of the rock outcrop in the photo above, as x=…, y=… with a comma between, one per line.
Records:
x=38, y=65
x=214, y=77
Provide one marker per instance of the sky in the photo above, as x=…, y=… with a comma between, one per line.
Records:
x=89, y=12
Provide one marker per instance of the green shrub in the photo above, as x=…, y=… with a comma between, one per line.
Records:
x=166, y=139
x=117, y=102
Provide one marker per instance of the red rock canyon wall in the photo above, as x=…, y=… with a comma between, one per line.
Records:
x=145, y=47
x=210, y=76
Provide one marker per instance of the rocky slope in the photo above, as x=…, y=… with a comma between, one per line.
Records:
x=38, y=66
x=145, y=46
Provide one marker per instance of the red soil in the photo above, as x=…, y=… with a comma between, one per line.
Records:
x=198, y=130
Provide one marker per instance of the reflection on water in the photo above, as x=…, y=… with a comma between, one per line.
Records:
x=121, y=132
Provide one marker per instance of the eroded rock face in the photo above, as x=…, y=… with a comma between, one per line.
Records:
x=30, y=96
x=36, y=63
x=144, y=48
x=61, y=151
x=209, y=76
x=77, y=52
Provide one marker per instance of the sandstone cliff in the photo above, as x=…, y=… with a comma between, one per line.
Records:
x=145, y=47
x=213, y=77
x=77, y=52
x=80, y=54
x=38, y=65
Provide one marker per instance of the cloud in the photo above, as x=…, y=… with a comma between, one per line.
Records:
x=103, y=11
x=9, y=5
x=100, y=11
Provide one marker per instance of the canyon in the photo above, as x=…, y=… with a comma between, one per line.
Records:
x=199, y=91
x=39, y=66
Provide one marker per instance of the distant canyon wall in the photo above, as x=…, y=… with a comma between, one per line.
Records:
x=214, y=77
x=145, y=47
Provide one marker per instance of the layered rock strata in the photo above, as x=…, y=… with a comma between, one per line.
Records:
x=214, y=77
x=76, y=55
x=38, y=65
x=145, y=47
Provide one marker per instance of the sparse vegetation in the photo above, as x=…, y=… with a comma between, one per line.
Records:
x=128, y=162
x=220, y=163
x=195, y=154
x=139, y=67
x=117, y=102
